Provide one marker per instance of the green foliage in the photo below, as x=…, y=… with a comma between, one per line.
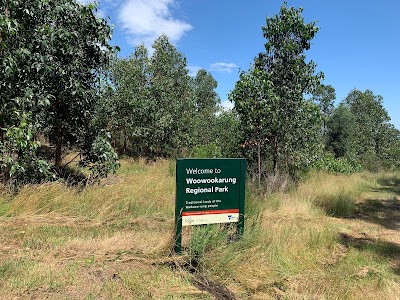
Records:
x=359, y=130
x=51, y=56
x=324, y=96
x=257, y=107
x=204, y=131
x=341, y=133
x=205, y=97
x=276, y=120
x=211, y=150
x=19, y=160
x=171, y=94
x=158, y=110
x=341, y=165
x=371, y=120
x=130, y=105
x=216, y=131
x=101, y=159
x=391, y=158
x=152, y=104
x=228, y=133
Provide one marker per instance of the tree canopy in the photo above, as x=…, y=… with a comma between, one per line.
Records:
x=52, y=54
x=270, y=96
x=61, y=82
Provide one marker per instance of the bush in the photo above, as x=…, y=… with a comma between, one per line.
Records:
x=19, y=160
x=341, y=165
x=211, y=150
x=102, y=158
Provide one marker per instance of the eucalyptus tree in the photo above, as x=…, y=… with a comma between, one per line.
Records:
x=22, y=62
x=155, y=105
x=51, y=65
x=341, y=133
x=372, y=125
x=276, y=85
x=256, y=105
x=131, y=106
x=324, y=96
x=205, y=97
x=52, y=53
x=171, y=97
x=206, y=101
x=228, y=133
x=389, y=146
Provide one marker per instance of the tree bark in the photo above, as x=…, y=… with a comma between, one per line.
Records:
x=275, y=155
x=259, y=162
x=58, y=133
x=1, y=129
x=125, y=142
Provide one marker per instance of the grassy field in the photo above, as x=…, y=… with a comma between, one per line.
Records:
x=330, y=237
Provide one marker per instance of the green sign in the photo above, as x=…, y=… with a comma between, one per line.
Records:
x=209, y=191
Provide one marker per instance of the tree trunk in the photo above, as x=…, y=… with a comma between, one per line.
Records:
x=259, y=162
x=58, y=144
x=275, y=155
x=5, y=176
x=125, y=142
x=1, y=129
x=58, y=133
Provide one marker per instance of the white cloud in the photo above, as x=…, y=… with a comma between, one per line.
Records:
x=86, y=1
x=101, y=13
x=227, y=105
x=193, y=70
x=223, y=67
x=146, y=20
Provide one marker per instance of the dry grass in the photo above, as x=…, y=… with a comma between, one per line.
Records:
x=294, y=248
x=331, y=237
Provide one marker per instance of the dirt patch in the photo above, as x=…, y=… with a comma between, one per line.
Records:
x=338, y=254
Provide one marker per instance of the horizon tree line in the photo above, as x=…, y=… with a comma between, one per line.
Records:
x=62, y=83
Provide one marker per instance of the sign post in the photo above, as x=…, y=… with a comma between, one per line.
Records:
x=209, y=191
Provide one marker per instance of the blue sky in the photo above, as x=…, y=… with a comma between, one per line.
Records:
x=358, y=45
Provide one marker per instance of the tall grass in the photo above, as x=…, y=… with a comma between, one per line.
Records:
x=114, y=241
x=139, y=190
x=291, y=247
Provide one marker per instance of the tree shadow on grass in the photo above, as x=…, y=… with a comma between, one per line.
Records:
x=389, y=184
x=384, y=249
x=72, y=177
x=385, y=212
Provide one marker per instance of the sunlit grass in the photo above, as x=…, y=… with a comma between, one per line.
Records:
x=114, y=240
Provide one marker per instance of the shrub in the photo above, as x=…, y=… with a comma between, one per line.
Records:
x=211, y=150
x=102, y=158
x=341, y=165
x=19, y=160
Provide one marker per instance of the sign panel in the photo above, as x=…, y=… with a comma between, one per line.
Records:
x=209, y=191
